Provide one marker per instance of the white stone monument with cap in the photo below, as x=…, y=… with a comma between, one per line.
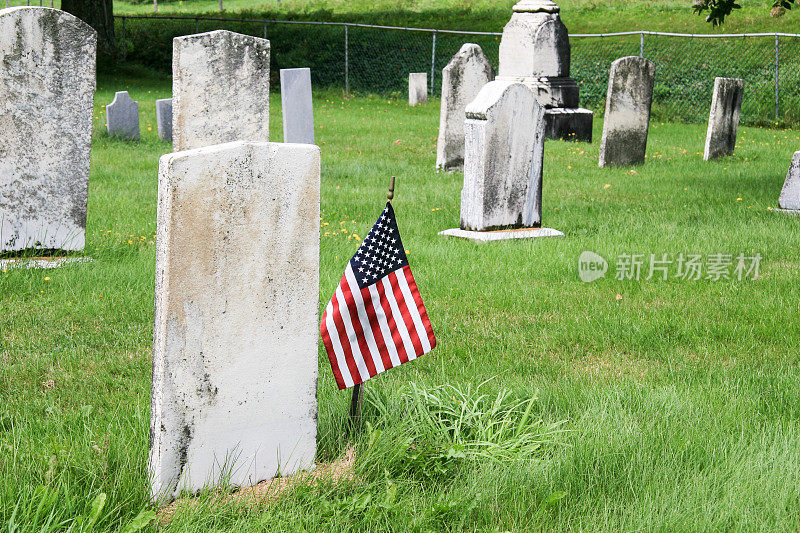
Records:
x=535, y=50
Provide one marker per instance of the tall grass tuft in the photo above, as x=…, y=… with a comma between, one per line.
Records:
x=432, y=432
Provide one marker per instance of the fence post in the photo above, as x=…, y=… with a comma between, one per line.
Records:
x=197, y=25
x=346, y=60
x=433, y=61
x=641, y=44
x=777, y=75
x=265, y=30
x=124, y=46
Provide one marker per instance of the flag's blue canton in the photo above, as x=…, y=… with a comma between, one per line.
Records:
x=381, y=252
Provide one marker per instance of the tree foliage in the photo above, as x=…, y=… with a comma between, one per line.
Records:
x=99, y=14
x=719, y=9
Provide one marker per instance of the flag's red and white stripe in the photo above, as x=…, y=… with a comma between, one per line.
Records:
x=369, y=330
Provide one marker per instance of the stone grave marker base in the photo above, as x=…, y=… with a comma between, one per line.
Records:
x=501, y=235
x=41, y=262
x=569, y=124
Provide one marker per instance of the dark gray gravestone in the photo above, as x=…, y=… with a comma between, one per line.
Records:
x=122, y=116
x=164, y=119
x=723, y=120
x=630, y=94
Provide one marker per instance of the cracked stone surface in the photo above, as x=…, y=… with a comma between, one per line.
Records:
x=47, y=82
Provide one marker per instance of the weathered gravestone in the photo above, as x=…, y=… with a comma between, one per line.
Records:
x=630, y=94
x=504, y=151
x=164, y=119
x=462, y=79
x=789, y=200
x=417, y=88
x=236, y=325
x=220, y=89
x=122, y=116
x=723, y=120
x=535, y=50
x=297, y=105
x=47, y=82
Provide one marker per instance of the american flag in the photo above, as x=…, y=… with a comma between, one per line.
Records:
x=376, y=319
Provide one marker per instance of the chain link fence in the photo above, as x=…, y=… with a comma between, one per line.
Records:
x=363, y=59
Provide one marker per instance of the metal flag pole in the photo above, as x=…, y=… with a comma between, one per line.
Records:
x=358, y=390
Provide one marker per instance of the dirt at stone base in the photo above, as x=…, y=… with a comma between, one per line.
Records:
x=272, y=489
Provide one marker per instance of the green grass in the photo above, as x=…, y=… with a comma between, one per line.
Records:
x=580, y=16
x=379, y=60
x=680, y=400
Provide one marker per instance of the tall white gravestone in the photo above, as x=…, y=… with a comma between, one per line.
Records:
x=236, y=325
x=297, y=106
x=417, y=88
x=535, y=50
x=220, y=89
x=630, y=95
x=462, y=79
x=164, y=119
x=122, y=116
x=504, y=154
x=723, y=119
x=47, y=82
x=789, y=200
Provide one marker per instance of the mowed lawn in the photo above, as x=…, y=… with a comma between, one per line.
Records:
x=679, y=400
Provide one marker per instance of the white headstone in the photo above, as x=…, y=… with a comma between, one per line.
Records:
x=297, y=105
x=47, y=82
x=535, y=50
x=220, y=89
x=630, y=94
x=790, y=194
x=164, y=119
x=723, y=120
x=417, y=88
x=462, y=79
x=122, y=116
x=503, y=159
x=236, y=315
